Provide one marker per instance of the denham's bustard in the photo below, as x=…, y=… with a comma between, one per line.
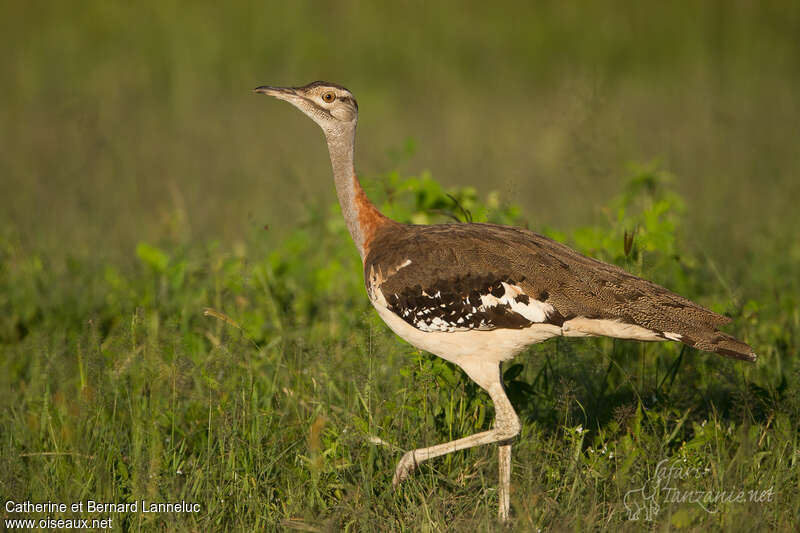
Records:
x=477, y=294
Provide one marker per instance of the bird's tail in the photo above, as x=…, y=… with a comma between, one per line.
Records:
x=721, y=343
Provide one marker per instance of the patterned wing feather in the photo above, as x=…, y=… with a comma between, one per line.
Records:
x=493, y=276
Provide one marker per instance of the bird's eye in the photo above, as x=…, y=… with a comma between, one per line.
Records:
x=329, y=97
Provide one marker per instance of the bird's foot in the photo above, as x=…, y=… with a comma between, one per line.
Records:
x=405, y=467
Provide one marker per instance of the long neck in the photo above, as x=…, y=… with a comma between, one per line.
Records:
x=361, y=216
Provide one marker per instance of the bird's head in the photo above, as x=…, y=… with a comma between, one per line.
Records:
x=329, y=105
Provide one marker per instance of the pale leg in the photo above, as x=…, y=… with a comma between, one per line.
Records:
x=504, y=464
x=506, y=426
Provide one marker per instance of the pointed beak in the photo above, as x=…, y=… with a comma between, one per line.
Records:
x=281, y=93
x=297, y=97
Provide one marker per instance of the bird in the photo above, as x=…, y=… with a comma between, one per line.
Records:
x=477, y=294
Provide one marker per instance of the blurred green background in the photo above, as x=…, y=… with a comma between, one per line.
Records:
x=138, y=172
x=116, y=116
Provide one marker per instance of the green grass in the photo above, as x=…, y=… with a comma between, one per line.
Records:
x=141, y=183
x=257, y=381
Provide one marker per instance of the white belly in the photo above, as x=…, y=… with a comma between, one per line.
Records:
x=460, y=346
x=479, y=352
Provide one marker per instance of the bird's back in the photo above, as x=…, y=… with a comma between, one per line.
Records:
x=452, y=277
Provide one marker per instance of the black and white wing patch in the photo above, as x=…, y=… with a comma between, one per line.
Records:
x=469, y=302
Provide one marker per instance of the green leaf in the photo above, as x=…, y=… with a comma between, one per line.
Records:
x=152, y=256
x=513, y=371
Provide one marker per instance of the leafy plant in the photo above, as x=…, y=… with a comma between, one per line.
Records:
x=258, y=381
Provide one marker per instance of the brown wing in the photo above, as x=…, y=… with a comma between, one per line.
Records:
x=548, y=272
